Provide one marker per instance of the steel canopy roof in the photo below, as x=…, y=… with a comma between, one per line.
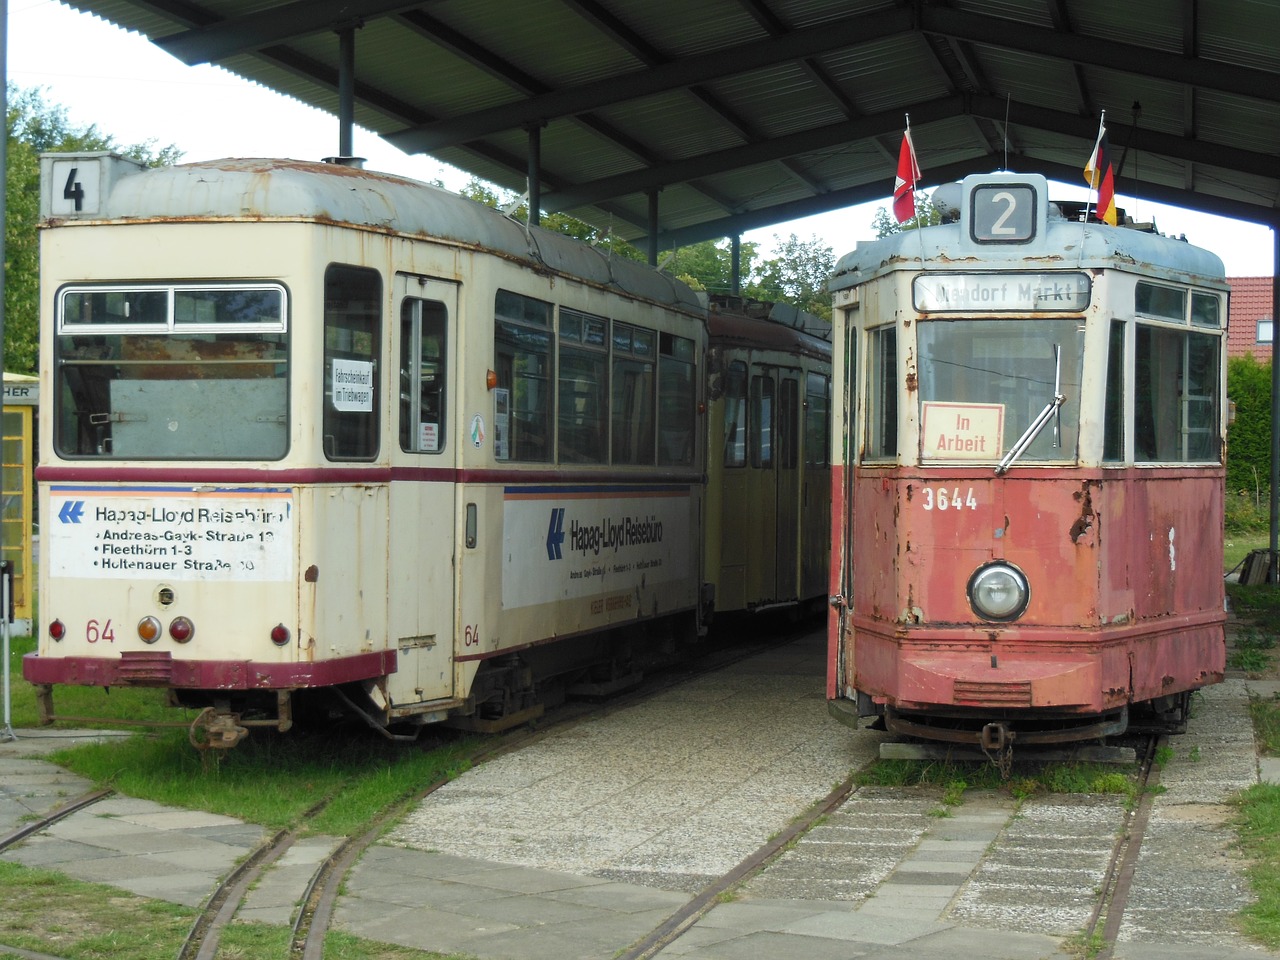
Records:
x=729, y=115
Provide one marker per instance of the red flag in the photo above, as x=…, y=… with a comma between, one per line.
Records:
x=1099, y=175
x=904, y=186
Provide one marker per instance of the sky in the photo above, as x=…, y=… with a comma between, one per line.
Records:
x=135, y=92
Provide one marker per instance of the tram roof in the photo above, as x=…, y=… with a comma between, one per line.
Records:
x=741, y=114
x=946, y=247
x=272, y=189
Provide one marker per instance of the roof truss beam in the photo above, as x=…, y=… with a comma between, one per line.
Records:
x=840, y=34
x=884, y=124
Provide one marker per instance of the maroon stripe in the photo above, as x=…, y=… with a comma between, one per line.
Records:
x=206, y=674
x=348, y=474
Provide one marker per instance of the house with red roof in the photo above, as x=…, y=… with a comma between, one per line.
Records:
x=1250, y=321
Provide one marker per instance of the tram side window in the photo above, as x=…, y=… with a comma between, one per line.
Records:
x=584, y=387
x=882, y=394
x=762, y=396
x=676, y=398
x=735, y=415
x=817, y=420
x=634, y=356
x=1113, y=415
x=352, y=338
x=423, y=325
x=522, y=355
x=789, y=424
x=180, y=371
x=1176, y=396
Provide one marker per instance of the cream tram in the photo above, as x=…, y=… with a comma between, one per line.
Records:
x=768, y=458
x=310, y=428
x=1028, y=473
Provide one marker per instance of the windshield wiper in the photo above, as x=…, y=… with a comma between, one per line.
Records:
x=1051, y=411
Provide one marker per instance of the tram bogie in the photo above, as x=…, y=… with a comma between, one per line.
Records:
x=1030, y=515
x=318, y=439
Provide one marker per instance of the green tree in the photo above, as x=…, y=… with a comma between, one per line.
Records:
x=1249, y=435
x=518, y=209
x=927, y=215
x=35, y=126
x=709, y=266
x=798, y=275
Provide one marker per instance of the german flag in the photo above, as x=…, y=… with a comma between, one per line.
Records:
x=1099, y=175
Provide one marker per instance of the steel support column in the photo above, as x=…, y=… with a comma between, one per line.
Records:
x=533, y=174
x=735, y=268
x=346, y=91
x=653, y=228
x=1272, y=577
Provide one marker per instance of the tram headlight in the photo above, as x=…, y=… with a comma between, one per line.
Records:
x=999, y=591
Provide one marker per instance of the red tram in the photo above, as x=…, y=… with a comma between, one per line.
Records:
x=1028, y=474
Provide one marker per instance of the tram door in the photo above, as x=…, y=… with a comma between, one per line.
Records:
x=421, y=522
x=775, y=456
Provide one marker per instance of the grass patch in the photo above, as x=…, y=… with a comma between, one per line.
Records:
x=954, y=778
x=1257, y=825
x=1236, y=546
x=270, y=779
x=1266, y=724
x=46, y=911
x=1258, y=605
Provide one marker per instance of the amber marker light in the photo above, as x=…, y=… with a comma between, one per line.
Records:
x=491, y=379
x=279, y=634
x=148, y=629
x=181, y=629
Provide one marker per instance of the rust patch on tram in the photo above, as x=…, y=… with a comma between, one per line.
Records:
x=1083, y=523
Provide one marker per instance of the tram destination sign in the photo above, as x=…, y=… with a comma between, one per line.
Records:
x=1001, y=292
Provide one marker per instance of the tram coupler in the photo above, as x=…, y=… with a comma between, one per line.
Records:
x=216, y=730
x=997, y=737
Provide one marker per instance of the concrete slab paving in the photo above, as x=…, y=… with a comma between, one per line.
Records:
x=587, y=842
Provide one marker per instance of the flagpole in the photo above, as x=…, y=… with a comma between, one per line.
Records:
x=915, y=180
x=1097, y=174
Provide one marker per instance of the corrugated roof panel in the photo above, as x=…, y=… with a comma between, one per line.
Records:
x=1241, y=31
x=1243, y=122
x=779, y=101
x=1036, y=14
x=678, y=123
x=582, y=53
x=1040, y=81
x=888, y=73
x=678, y=28
x=808, y=13
x=396, y=59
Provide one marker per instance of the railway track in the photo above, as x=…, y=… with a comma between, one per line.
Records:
x=1124, y=858
x=314, y=915
x=49, y=819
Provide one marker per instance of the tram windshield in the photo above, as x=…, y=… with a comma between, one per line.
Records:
x=171, y=371
x=983, y=383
